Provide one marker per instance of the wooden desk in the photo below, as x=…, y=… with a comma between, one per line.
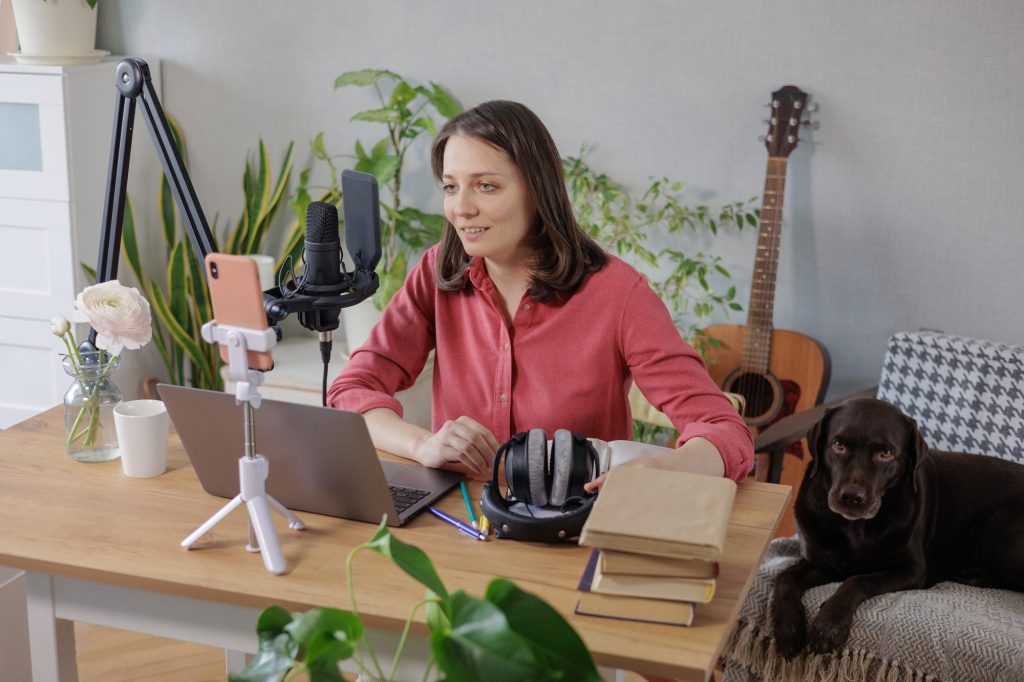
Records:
x=104, y=548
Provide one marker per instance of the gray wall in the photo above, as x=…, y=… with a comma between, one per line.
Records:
x=902, y=211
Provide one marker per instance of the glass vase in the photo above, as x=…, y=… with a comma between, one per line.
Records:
x=89, y=434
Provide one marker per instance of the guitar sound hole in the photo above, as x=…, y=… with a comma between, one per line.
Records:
x=758, y=391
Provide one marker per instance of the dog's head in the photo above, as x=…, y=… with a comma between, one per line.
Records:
x=864, y=447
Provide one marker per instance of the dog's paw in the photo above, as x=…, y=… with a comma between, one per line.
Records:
x=789, y=631
x=827, y=634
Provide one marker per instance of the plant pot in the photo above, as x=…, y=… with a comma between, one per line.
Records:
x=51, y=29
x=359, y=320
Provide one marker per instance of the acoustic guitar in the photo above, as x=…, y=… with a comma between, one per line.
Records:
x=777, y=371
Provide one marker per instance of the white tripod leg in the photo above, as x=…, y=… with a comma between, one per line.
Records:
x=211, y=522
x=266, y=536
x=294, y=522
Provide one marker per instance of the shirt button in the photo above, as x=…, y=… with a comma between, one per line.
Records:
x=507, y=346
x=527, y=306
x=502, y=397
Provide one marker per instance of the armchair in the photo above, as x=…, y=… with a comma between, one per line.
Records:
x=966, y=395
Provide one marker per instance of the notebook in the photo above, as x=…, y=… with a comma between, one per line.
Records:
x=321, y=460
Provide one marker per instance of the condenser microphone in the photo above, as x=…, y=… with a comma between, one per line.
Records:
x=322, y=274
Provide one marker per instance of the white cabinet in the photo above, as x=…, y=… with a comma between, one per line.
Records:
x=55, y=124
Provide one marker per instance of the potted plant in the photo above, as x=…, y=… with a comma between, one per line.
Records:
x=508, y=634
x=405, y=111
x=181, y=303
x=61, y=32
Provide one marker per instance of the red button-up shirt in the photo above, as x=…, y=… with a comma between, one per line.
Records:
x=560, y=364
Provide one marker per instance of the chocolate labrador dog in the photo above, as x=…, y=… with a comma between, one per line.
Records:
x=880, y=513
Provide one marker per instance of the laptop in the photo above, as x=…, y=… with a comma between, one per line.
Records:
x=321, y=460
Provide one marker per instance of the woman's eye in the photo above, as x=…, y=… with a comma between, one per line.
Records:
x=487, y=187
x=447, y=189
x=838, y=446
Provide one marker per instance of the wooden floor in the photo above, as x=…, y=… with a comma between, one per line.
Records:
x=108, y=655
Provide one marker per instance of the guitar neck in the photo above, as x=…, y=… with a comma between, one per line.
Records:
x=758, y=336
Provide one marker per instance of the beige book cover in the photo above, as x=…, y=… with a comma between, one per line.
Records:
x=699, y=590
x=629, y=608
x=666, y=513
x=630, y=563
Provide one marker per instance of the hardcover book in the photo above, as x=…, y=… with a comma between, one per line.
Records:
x=665, y=513
x=630, y=563
x=629, y=608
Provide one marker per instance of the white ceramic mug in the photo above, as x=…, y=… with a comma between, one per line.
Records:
x=142, y=432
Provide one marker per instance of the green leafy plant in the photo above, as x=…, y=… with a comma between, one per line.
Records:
x=508, y=634
x=405, y=112
x=181, y=304
x=633, y=225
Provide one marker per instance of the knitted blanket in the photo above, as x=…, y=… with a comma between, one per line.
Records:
x=948, y=633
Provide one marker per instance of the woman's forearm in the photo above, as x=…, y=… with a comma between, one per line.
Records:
x=393, y=434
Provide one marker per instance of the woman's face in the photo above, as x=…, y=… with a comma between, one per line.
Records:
x=485, y=199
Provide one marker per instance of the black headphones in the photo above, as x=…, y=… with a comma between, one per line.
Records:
x=546, y=501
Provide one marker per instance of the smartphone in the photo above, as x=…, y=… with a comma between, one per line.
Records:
x=238, y=300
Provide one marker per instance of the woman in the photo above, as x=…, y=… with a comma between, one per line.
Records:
x=532, y=324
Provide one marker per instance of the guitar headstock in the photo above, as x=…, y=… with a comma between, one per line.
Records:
x=789, y=104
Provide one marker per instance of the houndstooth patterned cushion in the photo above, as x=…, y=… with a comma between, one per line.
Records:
x=966, y=395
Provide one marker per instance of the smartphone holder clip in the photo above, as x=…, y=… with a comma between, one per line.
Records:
x=253, y=469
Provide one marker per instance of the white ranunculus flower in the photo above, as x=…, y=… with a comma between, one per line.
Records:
x=119, y=314
x=59, y=325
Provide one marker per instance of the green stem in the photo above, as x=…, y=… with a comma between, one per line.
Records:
x=294, y=671
x=405, y=634
x=355, y=610
x=426, y=670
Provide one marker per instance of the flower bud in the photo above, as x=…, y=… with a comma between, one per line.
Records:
x=59, y=325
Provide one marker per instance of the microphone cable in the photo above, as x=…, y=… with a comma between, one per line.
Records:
x=325, y=355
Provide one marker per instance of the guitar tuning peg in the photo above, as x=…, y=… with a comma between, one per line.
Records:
x=812, y=107
x=767, y=105
x=813, y=125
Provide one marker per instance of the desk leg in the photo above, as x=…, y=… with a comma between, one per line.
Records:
x=51, y=639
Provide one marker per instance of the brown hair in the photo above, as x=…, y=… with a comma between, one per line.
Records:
x=565, y=254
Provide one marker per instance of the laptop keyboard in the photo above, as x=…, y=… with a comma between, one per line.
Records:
x=406, y=497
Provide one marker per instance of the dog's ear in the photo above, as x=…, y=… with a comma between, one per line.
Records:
x=815, y=440
x=916, y=449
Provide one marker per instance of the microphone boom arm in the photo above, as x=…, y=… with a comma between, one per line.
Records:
x=134, y=83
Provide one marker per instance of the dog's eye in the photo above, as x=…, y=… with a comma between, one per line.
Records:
x=838, y=446
x=885, y=455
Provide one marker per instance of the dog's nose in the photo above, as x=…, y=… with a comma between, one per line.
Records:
x=853, y=497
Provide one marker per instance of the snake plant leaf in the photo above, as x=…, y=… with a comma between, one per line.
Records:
x=269, y=210
x=554, y=642
x=168, y=215
x=409, y=558
x=90, y=272
x=181, y=337
x=482, y=646
x=363, y=77
x=130, y=243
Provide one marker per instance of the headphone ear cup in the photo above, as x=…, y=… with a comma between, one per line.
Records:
x=585, y=466
x=561, y=466
x=537, y=466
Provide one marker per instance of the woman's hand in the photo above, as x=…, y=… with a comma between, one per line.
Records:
x=463, y=445
x=592, y=486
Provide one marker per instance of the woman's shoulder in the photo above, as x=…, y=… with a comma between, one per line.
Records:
x=617, y=272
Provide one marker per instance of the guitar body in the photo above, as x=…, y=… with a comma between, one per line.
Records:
x=802, y=369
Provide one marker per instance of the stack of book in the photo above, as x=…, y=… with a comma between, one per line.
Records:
x=658, y=536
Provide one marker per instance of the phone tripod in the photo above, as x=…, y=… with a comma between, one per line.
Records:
x=253, y=469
